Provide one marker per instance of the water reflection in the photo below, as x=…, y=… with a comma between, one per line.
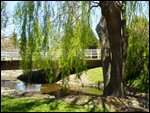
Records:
x=27, y=87
x=53, y=89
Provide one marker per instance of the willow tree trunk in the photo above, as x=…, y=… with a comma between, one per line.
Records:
x=113, y=79
x=105, y=54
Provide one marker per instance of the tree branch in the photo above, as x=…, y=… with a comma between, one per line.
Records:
x=94, y=6
x=95, y=2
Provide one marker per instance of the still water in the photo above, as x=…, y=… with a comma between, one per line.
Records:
x=26, y=87
x=54, y=88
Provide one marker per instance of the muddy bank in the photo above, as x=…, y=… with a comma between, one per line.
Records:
x=39, y=76
x=10, y=74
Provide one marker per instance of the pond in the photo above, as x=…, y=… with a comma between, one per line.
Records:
x=53, y=89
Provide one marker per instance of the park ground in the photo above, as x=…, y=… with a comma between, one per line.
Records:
x=14, y=101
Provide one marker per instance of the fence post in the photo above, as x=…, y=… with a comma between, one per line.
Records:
x=91, y=54
x=6, y=55
x=98, y=53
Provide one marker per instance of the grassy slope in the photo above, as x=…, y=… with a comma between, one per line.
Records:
x=95, y=75
x=9, y=104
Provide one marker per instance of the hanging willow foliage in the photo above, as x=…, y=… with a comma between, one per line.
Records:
x=4, y=16
x=42, y=39
x=138, y=54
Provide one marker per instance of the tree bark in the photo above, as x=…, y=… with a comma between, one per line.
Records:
x=124, y=36
x=105, y=54
x=112, y=79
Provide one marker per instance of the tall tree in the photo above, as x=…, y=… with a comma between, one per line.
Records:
x=109, y=30
x=113, y=28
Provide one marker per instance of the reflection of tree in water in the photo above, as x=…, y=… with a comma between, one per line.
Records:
x=31, y=87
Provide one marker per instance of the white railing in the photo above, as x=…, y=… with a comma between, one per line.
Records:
x=93, y=53
x=10, y=56
x=89, y=54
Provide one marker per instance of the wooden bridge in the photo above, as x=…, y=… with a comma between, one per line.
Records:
x=11, y=60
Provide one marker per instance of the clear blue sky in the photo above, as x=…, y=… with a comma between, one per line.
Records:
x=10, y=9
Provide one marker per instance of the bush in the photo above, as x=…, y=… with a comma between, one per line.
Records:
x=137, y=63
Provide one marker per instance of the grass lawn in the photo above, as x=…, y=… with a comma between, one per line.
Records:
x=9, y=104
x=95, y=75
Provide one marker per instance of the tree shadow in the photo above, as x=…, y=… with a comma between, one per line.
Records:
x=92, y=102
x=21, y=107
x=24, y=105
x=121, y=105
x=89, y=103
x=104, y=104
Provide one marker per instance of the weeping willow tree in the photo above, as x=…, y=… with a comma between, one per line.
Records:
x=39, y=32
x=74, y=40
x=113, y=33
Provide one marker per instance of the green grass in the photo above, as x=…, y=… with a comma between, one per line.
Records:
x=95, y=75
x=93, y=91
x=9, y=104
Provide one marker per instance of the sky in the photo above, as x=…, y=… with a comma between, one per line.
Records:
x=10, y=28
x=10, y=9
x=94, y=18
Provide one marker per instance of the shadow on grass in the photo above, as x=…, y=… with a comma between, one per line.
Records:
x=9, y=104
x=104, y=105
x=75, y=102
x=92, y=103
x=21, y=104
